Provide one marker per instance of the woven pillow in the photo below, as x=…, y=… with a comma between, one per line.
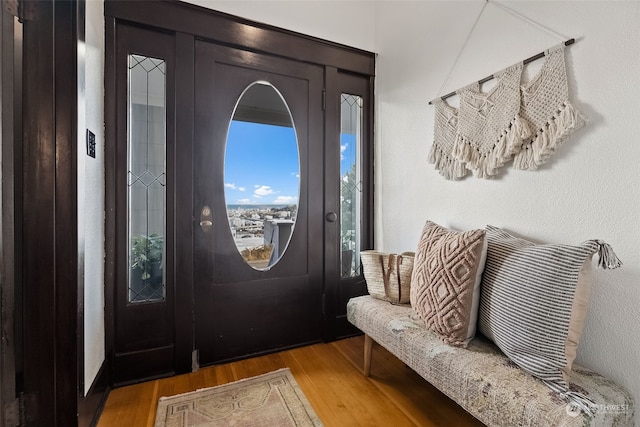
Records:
x=534, y=301
x=445, y=284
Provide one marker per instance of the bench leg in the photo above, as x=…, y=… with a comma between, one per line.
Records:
x=368, y=344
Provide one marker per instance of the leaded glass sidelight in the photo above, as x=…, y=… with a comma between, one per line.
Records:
x=350, y=183
x=146, y=159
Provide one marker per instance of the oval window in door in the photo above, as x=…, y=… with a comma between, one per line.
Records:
x=261, y=175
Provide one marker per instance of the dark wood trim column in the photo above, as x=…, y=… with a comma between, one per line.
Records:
x=183, y=231
x=8, y=132
x=110, y=139
x=50, y=273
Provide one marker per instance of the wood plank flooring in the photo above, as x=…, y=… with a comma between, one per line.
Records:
x=330, y=376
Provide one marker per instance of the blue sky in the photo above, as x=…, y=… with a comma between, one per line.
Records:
x=347, y=152
x=261, y=165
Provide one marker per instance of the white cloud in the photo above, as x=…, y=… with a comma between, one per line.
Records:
x=232, y=186
x=244, y=201
x=285, y=200
x=343, y=148
x=262, y=190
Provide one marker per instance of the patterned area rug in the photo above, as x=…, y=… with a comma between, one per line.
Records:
x=272, y=399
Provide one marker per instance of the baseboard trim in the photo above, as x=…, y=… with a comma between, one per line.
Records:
x=90, y=406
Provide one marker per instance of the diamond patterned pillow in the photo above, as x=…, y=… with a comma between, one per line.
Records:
x=445, y=284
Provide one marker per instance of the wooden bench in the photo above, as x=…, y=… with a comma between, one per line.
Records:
x=480, y=378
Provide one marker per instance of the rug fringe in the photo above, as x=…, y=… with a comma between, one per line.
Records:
x=241, y=380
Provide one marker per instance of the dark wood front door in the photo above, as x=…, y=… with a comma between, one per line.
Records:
x=177, y=285
x=240, y=309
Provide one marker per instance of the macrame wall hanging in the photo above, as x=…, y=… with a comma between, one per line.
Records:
x=525, y=122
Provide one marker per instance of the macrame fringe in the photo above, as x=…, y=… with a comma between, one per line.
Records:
x=566, y=121
x=448, y=167
x=486, y=165
x=607, y=258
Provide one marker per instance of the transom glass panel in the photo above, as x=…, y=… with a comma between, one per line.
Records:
x=146, y=158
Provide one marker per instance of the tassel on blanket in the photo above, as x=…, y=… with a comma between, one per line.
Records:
x=577, y=401
x=607, y=258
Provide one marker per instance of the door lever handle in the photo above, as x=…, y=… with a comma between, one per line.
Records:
x=205, y=219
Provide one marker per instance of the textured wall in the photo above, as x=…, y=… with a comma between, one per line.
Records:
x=91, y=191
x=588, y=190
x=346, y=22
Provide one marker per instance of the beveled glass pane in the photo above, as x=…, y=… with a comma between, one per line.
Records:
x=261, y=175
x=350, y=183
x=146, y=159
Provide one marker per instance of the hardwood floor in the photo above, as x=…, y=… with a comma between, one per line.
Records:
x=330, y=376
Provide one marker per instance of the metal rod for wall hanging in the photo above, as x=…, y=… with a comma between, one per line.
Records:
x=526, y=61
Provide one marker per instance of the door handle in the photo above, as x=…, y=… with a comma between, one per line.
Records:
x=205, y=219
x=331, y=217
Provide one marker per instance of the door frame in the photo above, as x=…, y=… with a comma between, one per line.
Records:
x=46, y=223
x=187, y=22
x=9, y=131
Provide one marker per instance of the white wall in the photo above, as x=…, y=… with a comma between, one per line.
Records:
x=345, y=22
x=590, y=189
x=91, y=190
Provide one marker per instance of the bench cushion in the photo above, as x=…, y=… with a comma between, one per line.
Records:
x=481, y=379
